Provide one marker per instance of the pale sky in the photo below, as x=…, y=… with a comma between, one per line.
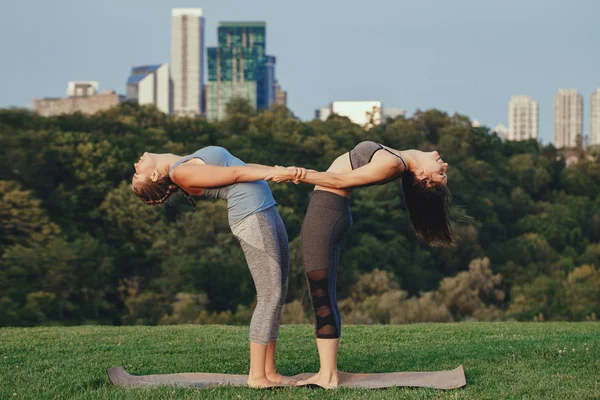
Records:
x=467, y=56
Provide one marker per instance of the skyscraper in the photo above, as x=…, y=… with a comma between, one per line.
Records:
x=522, y=118
x=239, y=67
x=150, y=84
x=594, y=139
x=568, y=119
x=187, y=59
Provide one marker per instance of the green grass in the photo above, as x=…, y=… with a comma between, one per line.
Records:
x=501, y=360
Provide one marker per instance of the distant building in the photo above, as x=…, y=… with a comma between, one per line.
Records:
x=364, y=113
x=323, y=113
x=82, y=88
x=240, y=67
x=568, y=119
x=82, y=97
x=187, y=60
x=573, y=156
x=204, y=99
x=522, y=118
x=594, y=139
x=269, y=83
x=476, y=124
x=501, y=130
x=280, y=95
x=150, y=84
x=393, y=112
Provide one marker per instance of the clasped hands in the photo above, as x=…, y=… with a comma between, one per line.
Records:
x=287, y=174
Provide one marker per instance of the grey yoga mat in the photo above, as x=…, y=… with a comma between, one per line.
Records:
x=450, y=379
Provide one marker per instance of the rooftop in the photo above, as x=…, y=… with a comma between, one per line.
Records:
x=141, y=71
x=176, y=12
x=256, y=24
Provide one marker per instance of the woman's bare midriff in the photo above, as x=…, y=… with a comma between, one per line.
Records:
x=339, y=166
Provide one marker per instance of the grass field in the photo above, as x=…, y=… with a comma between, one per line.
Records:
x=501, y=360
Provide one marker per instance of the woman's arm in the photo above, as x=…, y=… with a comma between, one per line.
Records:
x=259, y=166
x=208, y=176
x=373, y=172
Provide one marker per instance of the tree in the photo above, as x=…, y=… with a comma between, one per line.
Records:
x=24, y=222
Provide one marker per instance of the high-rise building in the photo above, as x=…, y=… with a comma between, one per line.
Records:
x=280, y=95
x=568, y=119
x=150, y=84
x=594, y=139
x=187, y=60
x=240, y=67
x=522, y=118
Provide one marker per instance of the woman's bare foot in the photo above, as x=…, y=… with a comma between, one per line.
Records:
x=260, y=383
x=325, y=380
x=281, y=380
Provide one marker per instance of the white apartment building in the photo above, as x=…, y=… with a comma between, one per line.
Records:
x=187, y=60
x=568, y=118
x=522, y=118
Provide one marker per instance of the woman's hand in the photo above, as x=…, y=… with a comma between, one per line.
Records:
x=289, y=174
x=279, y=174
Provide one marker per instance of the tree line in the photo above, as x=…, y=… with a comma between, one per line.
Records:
x=76, y=246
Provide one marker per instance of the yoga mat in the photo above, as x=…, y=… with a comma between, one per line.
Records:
x=451, y=379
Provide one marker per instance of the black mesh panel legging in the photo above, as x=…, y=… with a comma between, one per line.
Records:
x=326, y=224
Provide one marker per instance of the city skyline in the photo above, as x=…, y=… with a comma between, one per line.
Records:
x=462, y=57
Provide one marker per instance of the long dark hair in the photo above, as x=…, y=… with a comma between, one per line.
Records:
x=154, y=193
x=428, y=205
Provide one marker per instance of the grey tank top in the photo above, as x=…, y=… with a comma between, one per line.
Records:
x=244, y=198
x=363, y=153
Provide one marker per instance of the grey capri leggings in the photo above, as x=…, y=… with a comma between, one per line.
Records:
x=326, y=224
x=265, y=244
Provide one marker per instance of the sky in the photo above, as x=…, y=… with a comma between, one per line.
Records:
x=465, y=56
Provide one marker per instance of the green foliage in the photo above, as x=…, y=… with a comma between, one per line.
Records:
x=574, y=297
x=77, y=246
x=24, y=222
x=472, y=294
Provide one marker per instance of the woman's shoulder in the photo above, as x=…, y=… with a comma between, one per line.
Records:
x=213, y=148
x=368, y=144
